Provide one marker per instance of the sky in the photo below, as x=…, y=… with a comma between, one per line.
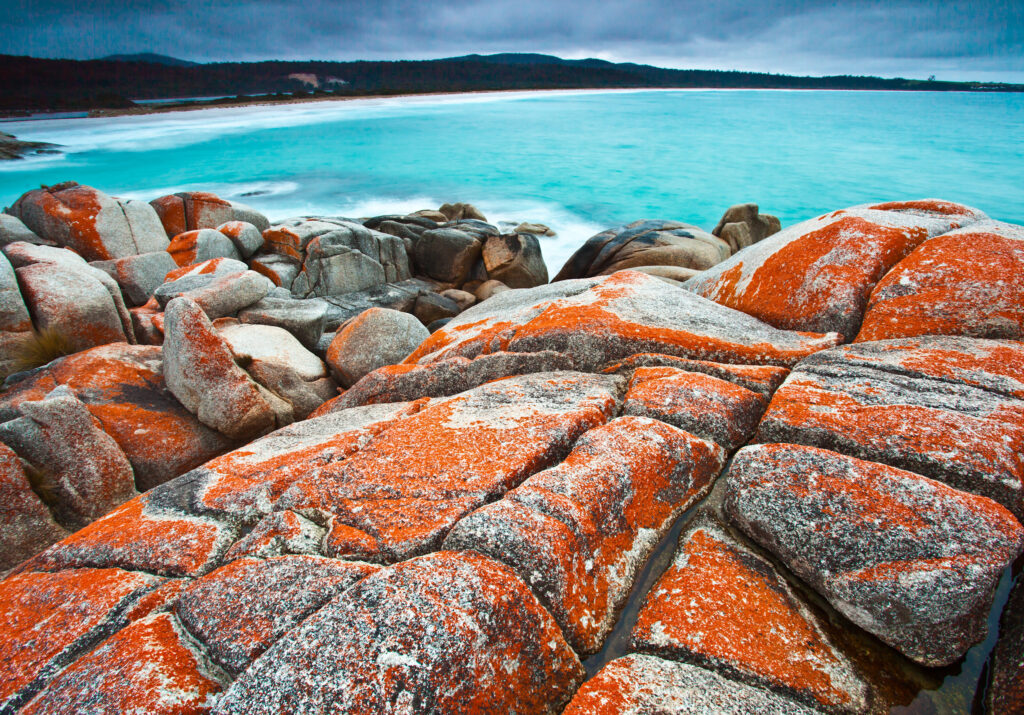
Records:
x=954, y=40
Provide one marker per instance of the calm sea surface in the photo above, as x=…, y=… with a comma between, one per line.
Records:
x=578, y=161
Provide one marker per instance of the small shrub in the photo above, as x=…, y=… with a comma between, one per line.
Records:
x=44, y=347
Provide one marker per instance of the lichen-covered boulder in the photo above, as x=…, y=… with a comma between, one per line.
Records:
x=580, y=532
x=645, y=243
x=722, y=605
x=138, y=276
x=597, y=320
x=200, y=371
x=1005, y=691
x=247, y=238
x=217, y=295
x=707, y=406
x=376, y=338
x=965, y=282
x=194, y=210
x=215, y=267
x=201, y=245
x=305, y=319
x=762, y=379
x=817, y=275
x=13, y=230
x=15, y=323
x=26, y=525
x=444, y=633
x=907, y=559
x=644, y=685
x=950, y=408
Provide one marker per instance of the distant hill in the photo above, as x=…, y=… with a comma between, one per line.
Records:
x=151, y=58
x=32, y=84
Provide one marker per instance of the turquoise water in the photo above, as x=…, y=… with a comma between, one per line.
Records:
x=579, y=161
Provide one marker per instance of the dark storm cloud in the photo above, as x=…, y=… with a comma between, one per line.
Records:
x=981, y=39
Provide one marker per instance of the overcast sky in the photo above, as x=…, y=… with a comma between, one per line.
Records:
x=955, y=39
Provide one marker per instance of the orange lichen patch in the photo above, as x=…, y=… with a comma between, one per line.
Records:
x=171, y=210
x=708, y=407
x=146, y=668
x=139, y=537
x=184, y=248
x=408, y=485
x=284, y=241
x=762, y=379
x=159, y=600
x=266, y=272
x=944, y=208
x=204, y=209
x=449, y=632
x=962, y=284
x=240, y=609
x=475, y=338
x=48, y=619
x=77, y=207
x=723, y=604
x=580, y=532
x=203, y=268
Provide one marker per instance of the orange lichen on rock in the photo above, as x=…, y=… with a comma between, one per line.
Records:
x=49, y=619
x=450, y=632
x=580, y=532
x=149, y=667
x=962, y=283
x=929, y=206
x=762, y=379
x=407, y=487
x=722, y=604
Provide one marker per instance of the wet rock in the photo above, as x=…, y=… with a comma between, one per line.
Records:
x=722, y=605
x=961, y=283
x=447, y=254
x=537, y=229
x=515, y=259
x=80, y=467
x=50, y=619
x=402, y=492
x=96, y=226
x=460, y=211
x=138, y=276
x=817, y=275
x=643, y=684
x=151, y=666
x=950, y=408
x=444, y=633
x=12, y=230
x=376, y=338
x=200, y=371
x=707, y=406
x=743, y=225
x=1005, y=691
x=907, y=559
x=305, y=319
x=598, y=320
x=26, y=525
x=762, y=379
x=241, y=609
x=645, y=243
x=580, y=532
x=247, y=238
x=398, y=383
x=431, y=307
x=201, y=245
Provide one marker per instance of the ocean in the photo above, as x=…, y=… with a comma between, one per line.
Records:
x=578, y=161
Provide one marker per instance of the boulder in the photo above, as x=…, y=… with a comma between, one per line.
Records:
x=489, y=288
x=1006, y=666
x=332, y=269
x=290, y=238
x=459, y=212
x=724, y=606
x=643, y=684
x=218, y=296
x=138, y=276
x=677, y=274
x=212, y=267
x=201, y=245
x=445, y=633
x=15, y=324
x=200, y=371
x=447, y=254
x=282, y=270
x=536, y=229
x=12, y=230
x=964, y=282
x=376, y=338
x=762, y=379
x=194, y=210
x=430, y=215
x=744, y=225
x=515, y=259
x=950, y=408
x=26, y=525
x=305, y=319
x=463, y=299
x=580, y=532
x=817, y=275
x=25, y=254
x=907, y=559
x=78, y=466
x=254, y=344
x=96, y=226
x=601, y=319
x=431, y=307
x=709, y=407
x=645, y=243
x=247, y=238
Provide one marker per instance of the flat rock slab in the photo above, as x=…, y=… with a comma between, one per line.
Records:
x=580, y=532
x=722, y=605
x=149, y=667
x=401, y=493
x=965, y=282
x=950, y=408
x=907, y=559
x=240, y=609
x=818, y=274
x=48, y=620
x=707, y=406
x=762, y=379
x=595, y=321
x=444, y=633
x=646, y=685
